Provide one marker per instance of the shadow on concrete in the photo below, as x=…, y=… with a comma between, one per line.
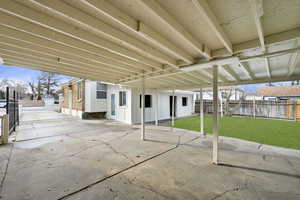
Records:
x=159, y=141
x=203, y=145
x=260, y=170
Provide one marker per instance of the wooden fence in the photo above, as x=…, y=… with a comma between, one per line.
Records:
x=289, y=110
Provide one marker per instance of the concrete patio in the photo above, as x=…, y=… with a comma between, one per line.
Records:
x=59, y=157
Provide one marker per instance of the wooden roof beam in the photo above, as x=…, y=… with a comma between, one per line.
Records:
x=35, y=42
x=245, y=82
x=247, y=70
x=22, y=46
x=231, y=72
x=204, y=9
x=202, y=76
x=46, y=68
x=252, y=44
x=24, y=53
x=257, y=10
x=56, y=66
x=220, y=76
x=171, y=22
x=59, y=28
x=138, y=27
x=69, y=13
x=294, y=60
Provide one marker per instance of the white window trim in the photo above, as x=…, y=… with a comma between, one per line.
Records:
x=122, y=106
x=99, y=99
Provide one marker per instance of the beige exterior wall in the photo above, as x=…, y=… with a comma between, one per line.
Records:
x=77, y=104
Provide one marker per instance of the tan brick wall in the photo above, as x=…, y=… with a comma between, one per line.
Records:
x=77, y=104
x=65, y=103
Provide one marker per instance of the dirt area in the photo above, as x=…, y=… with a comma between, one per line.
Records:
x=56, y=156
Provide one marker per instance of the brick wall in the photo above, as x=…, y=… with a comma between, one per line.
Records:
x=77, y=104
x=65, y=103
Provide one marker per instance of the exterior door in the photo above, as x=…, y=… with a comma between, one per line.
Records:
x=171, y=105
x=113, y=104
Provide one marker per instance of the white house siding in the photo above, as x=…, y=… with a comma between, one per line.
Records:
x=183, y=111
x=163, y=105
x=136, y=110
x=92, y=104
x=123, y=113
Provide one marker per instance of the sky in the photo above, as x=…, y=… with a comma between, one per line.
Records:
x=26, y=75
x=22, y=74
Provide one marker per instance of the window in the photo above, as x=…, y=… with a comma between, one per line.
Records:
x=79, y=91
x=184, y=101
x=101, y=90
x=148, y=101
x=122, y=98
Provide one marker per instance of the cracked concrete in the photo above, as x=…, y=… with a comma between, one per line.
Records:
x=59, y=157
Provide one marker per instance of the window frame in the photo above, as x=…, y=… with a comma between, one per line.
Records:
x=146, y=106
x=122, y=98
x=103, y=90
x=184, y=103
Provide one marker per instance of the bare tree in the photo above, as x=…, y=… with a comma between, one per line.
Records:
x=33, y=89
x=18, y=86
x=48, y=82
x=226, y=96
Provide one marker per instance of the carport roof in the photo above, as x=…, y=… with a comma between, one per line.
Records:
x=172, y=43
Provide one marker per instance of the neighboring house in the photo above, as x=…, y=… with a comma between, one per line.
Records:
x=280, y=92
x=48, y=99
x=122, y=103
x=234, y=93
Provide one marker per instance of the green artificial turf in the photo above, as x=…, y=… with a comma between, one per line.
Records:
x=265, y=131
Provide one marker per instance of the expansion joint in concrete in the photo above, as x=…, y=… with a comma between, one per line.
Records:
x=119, y=172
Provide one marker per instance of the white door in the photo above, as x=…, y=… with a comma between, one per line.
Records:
x=70, y=99
x=113, y=106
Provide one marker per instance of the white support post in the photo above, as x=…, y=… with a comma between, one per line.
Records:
x=156, y=108
x=221, y=105
x=215, y=115
x=143, y=109
x=201, y=112
x=254, y=107
x=173, y=108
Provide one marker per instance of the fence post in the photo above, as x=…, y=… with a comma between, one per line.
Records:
x=254, y=107
x=295, y=110
x=7, y=100
x=5, y=129
x=14, y=104
x=17, y=107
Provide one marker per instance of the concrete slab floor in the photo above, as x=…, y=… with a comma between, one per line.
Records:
x=56, y=156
